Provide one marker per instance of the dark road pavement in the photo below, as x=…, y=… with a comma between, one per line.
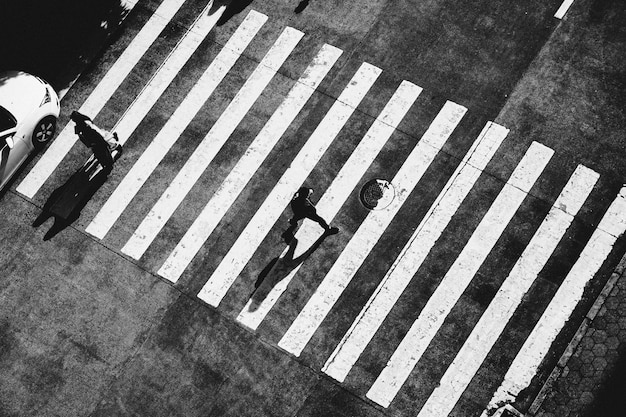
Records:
x=464, y=289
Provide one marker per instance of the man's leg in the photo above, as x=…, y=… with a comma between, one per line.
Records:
x=317, y=218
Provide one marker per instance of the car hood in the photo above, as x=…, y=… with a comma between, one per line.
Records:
x=20, y=93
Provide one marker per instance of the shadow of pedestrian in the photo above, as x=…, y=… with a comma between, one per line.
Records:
x=233, y=7
x=301, y=6
x=66, y=202
x=280, y=267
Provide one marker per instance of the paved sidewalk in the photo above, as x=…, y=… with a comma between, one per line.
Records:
x=589, y=379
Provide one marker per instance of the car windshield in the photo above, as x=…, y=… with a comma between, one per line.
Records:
x=7, y=121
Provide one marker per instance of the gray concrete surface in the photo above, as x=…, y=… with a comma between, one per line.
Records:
x=87, y=331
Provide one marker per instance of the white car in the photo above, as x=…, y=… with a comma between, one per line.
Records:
x=29, y=108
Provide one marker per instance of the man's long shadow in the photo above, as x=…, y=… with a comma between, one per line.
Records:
x=279, y=268
x=66, y=202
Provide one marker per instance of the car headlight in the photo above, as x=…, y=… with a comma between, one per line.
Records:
x=46, y=98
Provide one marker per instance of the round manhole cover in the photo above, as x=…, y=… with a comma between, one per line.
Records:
x=377, y=194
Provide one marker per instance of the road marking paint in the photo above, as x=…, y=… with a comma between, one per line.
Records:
x=535, y=348
x=170, y=133
x=414, y=252
x=500, y=310
x=563, y=9
x=212, y=143
x=460, y=275
x=248, y=164
x=100, y=95
x=340, y=189
x=128, y=4
x=166, y=73
x=362, y=242
x=240, y=253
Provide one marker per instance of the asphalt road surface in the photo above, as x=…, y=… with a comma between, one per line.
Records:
x=472, y=155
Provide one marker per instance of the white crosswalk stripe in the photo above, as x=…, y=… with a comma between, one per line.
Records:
x=304, y=162
x=455, y=199
x=560, y=13
x=329, y=204
x=166, y=74
x=537, y=345
x=414, y=252
x=170, y=133
x=100, y=95
x=370, y=230
x=459, y=275
x=509, y=296
x=212, y=143
x=241, y=174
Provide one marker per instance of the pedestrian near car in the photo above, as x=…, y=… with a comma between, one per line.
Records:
x=101, y=142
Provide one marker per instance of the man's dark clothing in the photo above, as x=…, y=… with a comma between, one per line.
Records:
x=93, y=139
x=303, y=208
x=100, y=148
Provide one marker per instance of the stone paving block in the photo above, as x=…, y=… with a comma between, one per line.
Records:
x=586, y=357
x=599, y=336
x=611, y=303
x=587, y=342
x=575, y=377
x=599, y=323
x=575, y=363
x=599, y=364
x=599, y=350
x=612, y=356
x=612, y=328
x=586, y=398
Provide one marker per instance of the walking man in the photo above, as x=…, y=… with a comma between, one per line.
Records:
x=303, y=208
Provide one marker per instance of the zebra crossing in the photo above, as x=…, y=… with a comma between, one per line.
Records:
x=301, y=166
x=412, y=255
x=407, y=266
x=344, y=183
x=103, y=92
x=460, y=274
x=169, y=134
x=370, y=230
x=527, y=268
x=210, y=145
x=256, y=153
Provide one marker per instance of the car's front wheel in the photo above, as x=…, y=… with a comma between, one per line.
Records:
x=44, y=131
